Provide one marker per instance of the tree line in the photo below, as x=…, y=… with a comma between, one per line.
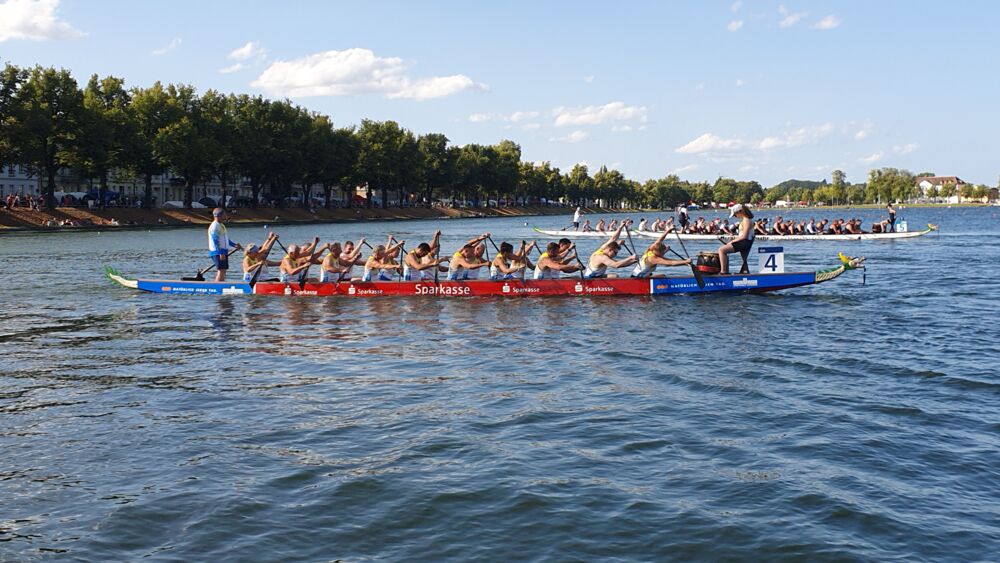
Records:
x=48, y=123
x=272, y=147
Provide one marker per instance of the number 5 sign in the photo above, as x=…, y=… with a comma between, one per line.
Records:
x=771, y=259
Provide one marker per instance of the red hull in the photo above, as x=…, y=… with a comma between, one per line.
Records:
x=508, y=288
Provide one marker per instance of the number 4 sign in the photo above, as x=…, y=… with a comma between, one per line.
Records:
x=771, y=259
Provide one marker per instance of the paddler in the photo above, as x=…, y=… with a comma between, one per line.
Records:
x=604, y=257
x=337, y=264
x=381, y=261
x=419, y=263
x=552, y=263
x=508, y=264
x=219, y=244
x=743, y=241
x=255, y=258
x=294, y=265
x=465, y=259
x=653, y=257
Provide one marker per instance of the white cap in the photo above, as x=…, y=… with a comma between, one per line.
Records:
x=735, y=209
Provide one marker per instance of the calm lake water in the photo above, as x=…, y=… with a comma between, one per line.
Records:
x=837, y=422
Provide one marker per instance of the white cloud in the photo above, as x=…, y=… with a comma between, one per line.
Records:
x=531, y=126
x=252, y=50
x=828, y=22
x=35, y=20
x=789, y=19
x=231, y=68
x=621, y=128
x=685, y=168
x=174, y=43
x=796, y=137
x=711, y=143
x=708, y=142
x=905, y=149
x=864, y=132
x=589, y=78
x=873, y=158
x=735, y=7
x=595, y=115
x=512, y=117
x=699, y=87
x=739, y=82
x=354, y=72
x=522, y=115
x=573, y=137
x=734, y=25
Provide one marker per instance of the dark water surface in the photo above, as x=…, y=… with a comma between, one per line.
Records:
x=841, y=421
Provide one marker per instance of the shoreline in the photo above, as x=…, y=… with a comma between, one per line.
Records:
x=23, y=220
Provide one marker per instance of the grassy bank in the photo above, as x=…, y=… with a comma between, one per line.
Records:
x=26, y=220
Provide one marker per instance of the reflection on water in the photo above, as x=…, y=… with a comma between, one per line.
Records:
x=843, y=421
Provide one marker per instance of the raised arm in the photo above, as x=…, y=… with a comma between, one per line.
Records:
x=657, y=242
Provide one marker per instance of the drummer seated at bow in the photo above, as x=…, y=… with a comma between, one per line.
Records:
x=604, y=257
x=553, y=262
x=338, y=263
x=655, y=256
x=255, y=258
x=380, y=265
x=468, y=258
x=508, y=264
x=419, y=263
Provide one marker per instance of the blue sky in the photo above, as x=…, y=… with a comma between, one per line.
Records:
x=753, y=89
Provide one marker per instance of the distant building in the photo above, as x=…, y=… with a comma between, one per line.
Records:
x=925, y=183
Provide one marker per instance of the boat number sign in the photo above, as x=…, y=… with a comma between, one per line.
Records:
x=771, y=259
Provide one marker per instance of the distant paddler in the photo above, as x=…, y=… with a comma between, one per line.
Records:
x=555, y=261
x=468, y=259
x=604, y=257
x=219, y=244
x=653, y=257
x=508, y=264
x=337, y=264
x=255, y=258
x=420, y=263
x=380, y=263
x=743, y=241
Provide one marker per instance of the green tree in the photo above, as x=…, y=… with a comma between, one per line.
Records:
x=387, y=155
x=218, y=119
x=45, y=123
x=185, y=145
x=838, y=178
x=10, y=82
x=151, y=110
x=578, y=184
x=438, y=163
x=103, y=139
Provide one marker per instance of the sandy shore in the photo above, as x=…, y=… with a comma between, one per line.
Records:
x=21, y=219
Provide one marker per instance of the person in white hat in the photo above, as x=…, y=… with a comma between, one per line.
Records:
x=743, y=241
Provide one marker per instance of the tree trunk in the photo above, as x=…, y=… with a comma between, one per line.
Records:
x=327, y=193
x=385, y=197
x=188, y=193
x=399, y=192
x=147, y=195
x=368, y=196
x=50, y=188
x=102, y=189
x=222, y=180
x=255, y=190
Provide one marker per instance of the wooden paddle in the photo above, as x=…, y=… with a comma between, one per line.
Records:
x=694, y=270
x=200, y=276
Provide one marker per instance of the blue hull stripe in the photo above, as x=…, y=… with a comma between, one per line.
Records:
x=194, y=288
x=751, y=282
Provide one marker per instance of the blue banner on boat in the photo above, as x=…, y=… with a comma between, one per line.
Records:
x=770, y=249
x=751, y=282
x=194, y=288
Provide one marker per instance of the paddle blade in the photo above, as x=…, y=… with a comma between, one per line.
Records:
x=698, y=277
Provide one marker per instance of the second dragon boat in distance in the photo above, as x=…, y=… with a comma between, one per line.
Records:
x=570, y=286
x=716, y=237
